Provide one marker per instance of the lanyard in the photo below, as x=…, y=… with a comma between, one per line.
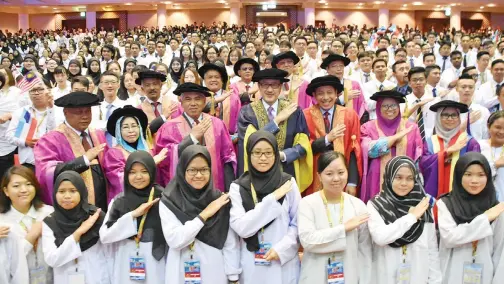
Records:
x=142, y=223
x=40, y=122
x=404, y=251
x=254, y=197
x=492, y=152
x=328, y=213
x=474, y=249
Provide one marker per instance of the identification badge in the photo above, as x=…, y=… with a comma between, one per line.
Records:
x=137, y=268
x=473, y=273
x=259, y=258
x=38, y=275
x=335, y=274
x=76, y=278
x=404, y=274
x=192, y=272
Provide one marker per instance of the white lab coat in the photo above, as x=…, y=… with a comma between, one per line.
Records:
x=492, y=154
x=456, y=246
x=486, y=95
x=13, y=219
x=68, y=257
x=122, y=248
x=282, y=234
x=13, y=266
x=479, y=128
x=320, y=241
x=422, y=255
x=217, y=266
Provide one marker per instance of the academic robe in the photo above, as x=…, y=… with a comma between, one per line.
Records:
x=436, y=172
x=292, y=137
x=175, y=136
x=422, y=255
x=373, y=168
x=320, y=241
x=68, y=257
x=296, y=92
x=217, y=266
x=61, y=150
x=358, y=104
x=282, y=234
x=12, y=261
x=228, y=111
x=348, y=144
x=122, y=248
x=456, y=246
x=34, y=256
x=114, y=162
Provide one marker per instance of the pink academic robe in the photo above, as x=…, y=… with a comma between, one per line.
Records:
x=230, y=108
x=303, y=100
x=54, y=148
x=372, y=171
x=217, y=141
x=113, y=163
x=359, y=103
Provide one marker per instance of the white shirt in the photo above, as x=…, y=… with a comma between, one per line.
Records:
x=449, y=75
x=417, y=61
x=99, y=112
x=9, y=103
x=274, y=106
x=45, y=123
x=369, y=89
x=429, y=117
x=486, y=94
x=488, y=77
x=360, y=77
x=446, y=62
x=470, y=58
x=14, y=267
x=479, y=128
x=492, y=154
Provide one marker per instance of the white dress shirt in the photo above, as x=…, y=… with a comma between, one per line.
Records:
x=10, y=101
x=479, y=128
x=486, y=94
x=440, y=61
x=429, y=117
x=449, y=75
x=99, y=112
x=369, y=89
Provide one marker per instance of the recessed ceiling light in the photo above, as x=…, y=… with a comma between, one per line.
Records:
x=417, y=3
x=482, y=7
x=326, y=4
x=491, y=5
x=128, y=4
x=405, y=5
x=453, y=4
x=55, y=8
x=360, y=4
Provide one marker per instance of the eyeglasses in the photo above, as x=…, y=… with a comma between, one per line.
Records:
x=202, y=171
x=273, y=86
x=258, y=154
x=390, y=107
x=450, y=115
x=36, y=91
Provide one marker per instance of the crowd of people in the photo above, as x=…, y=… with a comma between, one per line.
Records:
x=235, y=155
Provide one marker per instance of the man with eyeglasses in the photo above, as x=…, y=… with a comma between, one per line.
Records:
x=73, y=146
x=478, y=114
x=195, y=127
x=245, y=89
x=487, y=93
x=38, y=117
x=281, y=117
x=378, y=83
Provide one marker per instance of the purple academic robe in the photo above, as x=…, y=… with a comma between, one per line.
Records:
x=304, y=101
x=371, y=166
x=54, y=149
x=359, y=103
x=216, y=139
x=114, y=162
x=429, y=164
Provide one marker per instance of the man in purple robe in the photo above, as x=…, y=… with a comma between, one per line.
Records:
x=72, y=146
x=196, y=127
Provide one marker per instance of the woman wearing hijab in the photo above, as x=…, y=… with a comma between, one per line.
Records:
x=195, y=221
x=382, y=139
x=264, y=214
x=94, y=70
x=49, y=79
x=493, y=148
x=74, y=69
x=128, y=65
x=30, y=63
x=132, y=225
x=176, y=69
x=442, y=150
x=471, y=225
x=332, y=228
x=402, y=227
x=70, y=236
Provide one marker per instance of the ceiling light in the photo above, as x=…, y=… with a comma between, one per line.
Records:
x=55, y=8
x=453, y=4
x=128, y=4
x=417, y=3
x=44, y=7
x=491, y=5
x=482, y=7
x=360, y=4
x=326, y=4
x=405, y=5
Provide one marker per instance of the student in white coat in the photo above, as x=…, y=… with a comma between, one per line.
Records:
x=133, y=227
x=333, y=229
x=12, y=261
x=402, y=228
x=22, y=211
x=195, y=221
x=70, y=238
x=264, y=214
x=471, y=225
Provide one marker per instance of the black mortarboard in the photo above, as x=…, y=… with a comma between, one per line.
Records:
x=332, y=58
x=149, y=74
x=211, y=66
x=191, y=87
x=243, y=60
x=328, y=80
x=78, y=99
x=449, y=103
x=128, y=111
x=284, y=55
x=272, y=73
x=389, y=94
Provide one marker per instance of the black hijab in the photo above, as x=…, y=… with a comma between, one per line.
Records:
x=94, y=75
x=186, y=202
x=176, y=75
x=391, y=206
x=264, y=183
x=463, y=206
x=132, y=198
x=76, y=62
x=64, y=222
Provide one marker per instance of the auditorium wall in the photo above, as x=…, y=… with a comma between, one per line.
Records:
x=43, y=21
x=9, y=22
x=347, y=17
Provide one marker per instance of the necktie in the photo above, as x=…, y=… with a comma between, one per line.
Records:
x=270, y=114
x=483, y=77
x=156, y=111
x=366, y=77
x=411, y=63
x=173, y=55
x=85, y=142
x=420, y=121
x=109, y=111
x=465, y=60
x=196, y=122
x=286, y=86
x=444, y=63
x=160, y=59
x=381, y=88
x=326, y=121
x=247, y=88
x=434, y=94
